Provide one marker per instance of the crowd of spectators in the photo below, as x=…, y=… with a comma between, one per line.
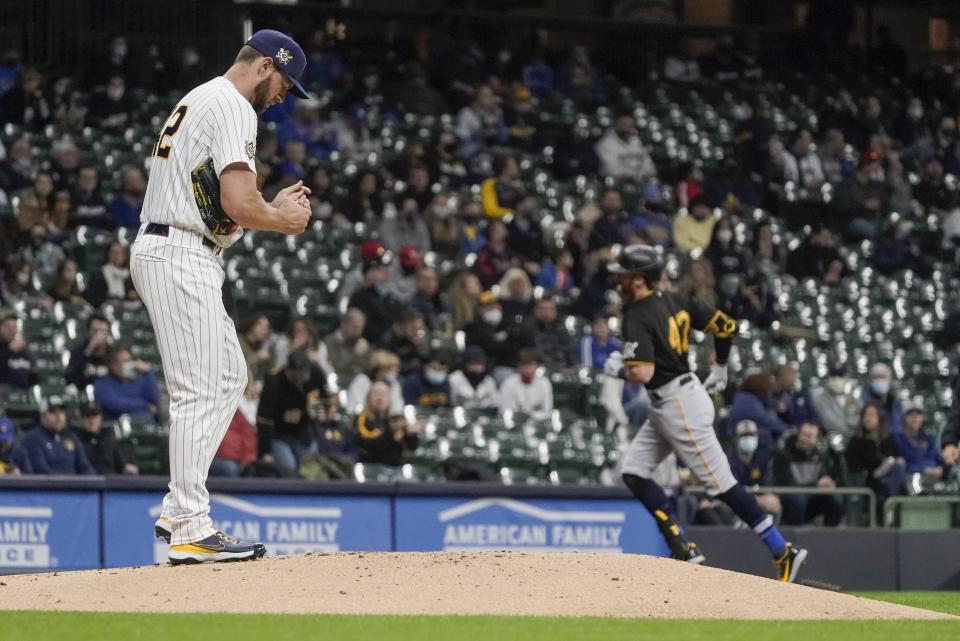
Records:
x=869, y=167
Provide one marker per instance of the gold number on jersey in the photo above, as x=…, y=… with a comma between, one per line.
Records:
x=678, y=332
x=161, y=150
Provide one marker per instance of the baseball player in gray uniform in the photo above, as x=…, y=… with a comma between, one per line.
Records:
x=656, y=333
x=201, y=194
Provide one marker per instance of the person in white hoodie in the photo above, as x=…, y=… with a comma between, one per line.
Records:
x=527, y=390
x=472, y=386
x=621, y=153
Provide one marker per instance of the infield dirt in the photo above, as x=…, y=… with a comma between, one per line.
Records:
x=490, y=583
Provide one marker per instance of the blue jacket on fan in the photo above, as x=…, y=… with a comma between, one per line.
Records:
x=593, y=354
x=51, y=453
x=749, y=407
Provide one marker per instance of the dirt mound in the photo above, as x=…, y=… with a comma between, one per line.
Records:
x=489, y=583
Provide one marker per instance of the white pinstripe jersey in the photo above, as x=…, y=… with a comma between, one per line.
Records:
x=212, y=121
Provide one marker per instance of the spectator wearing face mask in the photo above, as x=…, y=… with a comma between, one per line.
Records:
x=111, y=108
x=129, y=388
x=429, y=386
x=472, y=386
x=384, y=367
x=723, y=253
x=835, y=404
x=750, y=464
x=752, y=403
x=791, y=402
x=371, y=251
x=879, y=390
x=498, y=337
x=695, y=229
x=527, y=391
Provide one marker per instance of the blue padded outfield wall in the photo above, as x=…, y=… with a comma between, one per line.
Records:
x=42, y=530
x=70, y=523
x=533, y=525
x=287, y=524
x=93, y=522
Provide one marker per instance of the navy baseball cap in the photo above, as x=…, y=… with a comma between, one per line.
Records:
x=286, y=54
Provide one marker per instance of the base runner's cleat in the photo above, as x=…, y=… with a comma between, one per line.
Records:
x=788, y=564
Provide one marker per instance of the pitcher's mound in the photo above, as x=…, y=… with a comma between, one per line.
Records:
x=491, y=583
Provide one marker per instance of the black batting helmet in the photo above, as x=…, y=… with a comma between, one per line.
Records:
x=642, y=260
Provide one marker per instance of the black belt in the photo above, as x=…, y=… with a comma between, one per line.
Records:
x=683, y=381
x=156, y=229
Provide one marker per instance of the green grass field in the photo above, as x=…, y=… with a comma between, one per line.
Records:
x=75, y=626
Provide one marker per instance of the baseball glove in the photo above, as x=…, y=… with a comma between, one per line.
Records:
x=206, y=191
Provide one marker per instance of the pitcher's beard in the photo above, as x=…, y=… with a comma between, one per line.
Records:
x=260, y=100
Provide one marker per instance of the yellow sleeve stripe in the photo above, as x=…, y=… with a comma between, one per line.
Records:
x=721, y=325
x=636, y=363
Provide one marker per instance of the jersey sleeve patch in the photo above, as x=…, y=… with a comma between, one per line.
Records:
x=721, y=325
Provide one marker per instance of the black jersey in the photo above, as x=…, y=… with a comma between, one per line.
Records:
x=656, y=331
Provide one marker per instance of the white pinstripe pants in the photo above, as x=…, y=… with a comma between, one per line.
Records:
x=180, y=282
x=681, y=421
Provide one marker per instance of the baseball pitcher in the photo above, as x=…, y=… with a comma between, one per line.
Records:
x=201, y=194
